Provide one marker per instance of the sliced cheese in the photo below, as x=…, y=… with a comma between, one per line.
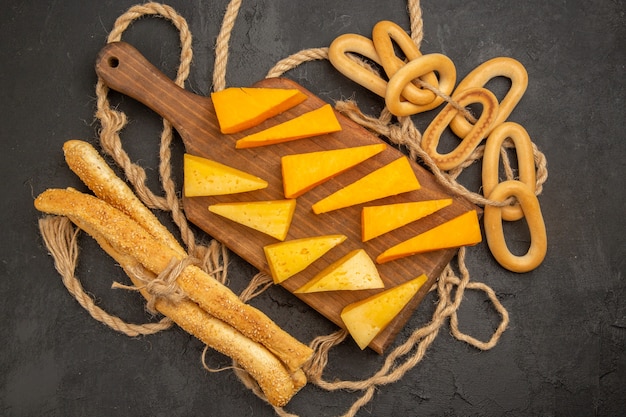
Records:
x=378, y=220
x=302, y=172
x=365, y=319
x=205, y=177
x=463, y=230
x=394, y=178
x=286, y=259
x=354, y=271
x=270, y=217
x=316, y=122
x=240, y=108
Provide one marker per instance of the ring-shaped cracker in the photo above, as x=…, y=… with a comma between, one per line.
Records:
x=480, y=76
x=383, y=35
x=525, y=163
x=416, y=69
x=432, y=135
x=351, y=43
x=494, y=232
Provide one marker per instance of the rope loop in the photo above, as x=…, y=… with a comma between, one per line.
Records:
x=60, y=237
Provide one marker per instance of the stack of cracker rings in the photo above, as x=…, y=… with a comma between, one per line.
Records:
x=423, y=82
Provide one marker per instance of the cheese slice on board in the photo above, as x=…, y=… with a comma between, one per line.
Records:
x=366, y=318
x=205, y=177
x=270, y=217
x=463, y=230
x=394, y=178
x=302, y=172
x=286, y=259
x=240, y=108
x=378, y=220
x=354, y=271
x=314, y=123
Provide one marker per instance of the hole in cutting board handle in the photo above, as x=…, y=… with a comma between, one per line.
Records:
x=113, y=62
x=122, y=68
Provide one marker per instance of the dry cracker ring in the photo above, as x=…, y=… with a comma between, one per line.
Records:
x=433, y=132
x=351, y=43
x=496, y=67
x=525, y=162
x=495, y=234
x=417, y=68
x=383, y=35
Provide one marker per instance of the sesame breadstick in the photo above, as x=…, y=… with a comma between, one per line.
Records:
x=127, y=237
x=85, y=161
x=277, y=384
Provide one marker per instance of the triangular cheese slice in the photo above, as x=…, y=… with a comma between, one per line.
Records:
x=378, y=220
x=302, y=172
x=205, y=177
x=316, y=122
x=365, y=319
x=354, y=271
x=463, y=230
x=394, y=178
x=270, y=217
x=286, y=259
x=240, y=108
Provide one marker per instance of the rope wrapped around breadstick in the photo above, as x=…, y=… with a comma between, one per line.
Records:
x=133, y=236
x=210, y=294
x=117, y=234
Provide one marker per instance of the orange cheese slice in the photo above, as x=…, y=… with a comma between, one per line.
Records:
x=316, y=122
x=286, y=259
x=240, y=108
x=378, y=220
x=270, y=217
x=394, y=178
x=354, y=271
x=367, y=318
x=463, y=230
x=302, y=172
x=205, y=177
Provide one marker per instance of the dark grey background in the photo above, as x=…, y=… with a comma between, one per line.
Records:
x=563, y=353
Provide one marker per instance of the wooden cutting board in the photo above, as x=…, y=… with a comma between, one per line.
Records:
x=124, y=69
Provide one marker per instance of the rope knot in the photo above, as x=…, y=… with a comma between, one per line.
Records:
x=162, y=286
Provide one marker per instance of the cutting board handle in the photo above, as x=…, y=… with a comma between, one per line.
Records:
x=124, y=69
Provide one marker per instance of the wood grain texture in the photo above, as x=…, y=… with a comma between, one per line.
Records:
x=124, y=69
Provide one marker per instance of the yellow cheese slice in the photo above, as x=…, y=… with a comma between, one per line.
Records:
x=286, y=259
x=365, y=319
x=270, y=217
x=205, y=177
x=354, y=271
x=302, y=172
x=463, y=230
x=378, y=220
x=394, y=178
x=316, y=122
x=240, y=108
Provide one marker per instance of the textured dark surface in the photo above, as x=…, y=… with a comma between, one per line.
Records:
x=564, y=351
